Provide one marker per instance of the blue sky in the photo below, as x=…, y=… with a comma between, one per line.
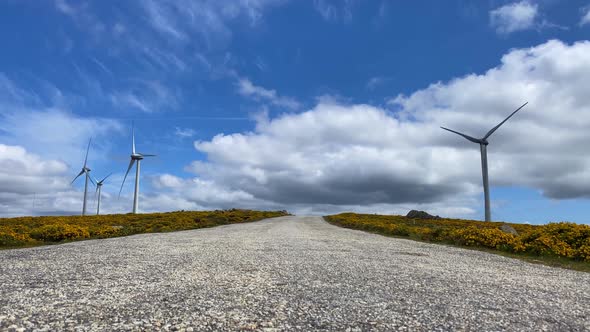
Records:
x=311, y=106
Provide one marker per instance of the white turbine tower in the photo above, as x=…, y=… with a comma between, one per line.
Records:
x=85, y=170
x=483, y=143
x=135, y=156
x=98, y=191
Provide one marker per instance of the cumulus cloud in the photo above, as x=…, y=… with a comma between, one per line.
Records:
x=205, y=193
x=247, y=89
x=538, y=147
x=33, y=185
x=22, y=172
x=513, y=17
x=41, y=150
x=348, y=156
x=54, y=132
x=333, y=155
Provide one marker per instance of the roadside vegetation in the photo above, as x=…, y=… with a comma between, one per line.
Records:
x=32, y=231
x=560, y=244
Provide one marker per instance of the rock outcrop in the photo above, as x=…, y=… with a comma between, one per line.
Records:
x=415, y=214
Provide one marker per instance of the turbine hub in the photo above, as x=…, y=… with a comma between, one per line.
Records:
x=484, y=142
x=136, y=157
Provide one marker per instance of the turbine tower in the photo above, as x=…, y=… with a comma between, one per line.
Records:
x=85, y=170
x=483, y=143
x=98, y=190
x=135, y=156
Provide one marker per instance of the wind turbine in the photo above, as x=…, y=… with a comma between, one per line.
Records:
x=85, y=170
x=98, y=190
x=483, y=143
x=135, y=156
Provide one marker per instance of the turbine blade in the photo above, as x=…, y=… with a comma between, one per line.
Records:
x=501, y=123
x=128, y=169
x=132, y=138
x=101, y=181
x=87, y=149
x=147, y=155
x=90, y=178
x=474, y=140
x=77, y=176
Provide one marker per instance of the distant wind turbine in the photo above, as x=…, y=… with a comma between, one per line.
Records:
x=85, y=170
x=135, y=156
x=483, y=142
x=98, y=190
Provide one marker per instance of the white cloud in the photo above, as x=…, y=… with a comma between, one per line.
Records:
x=64, y=7
x=10, y=93
x=22, y=172
x=32, y=185
x=513, y=17
x=54, y=132
x=42, y=148
x=179, y=19
x=334, y=10
x=376, y=81
x=204, y=193
x=247, y=89
x=585, y=17
x=342, y=156
x=157, y=42
x=147, y=96
x=184, y=132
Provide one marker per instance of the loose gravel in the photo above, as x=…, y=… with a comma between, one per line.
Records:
x=288, y=273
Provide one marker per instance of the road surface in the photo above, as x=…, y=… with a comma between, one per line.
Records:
x=288, y=273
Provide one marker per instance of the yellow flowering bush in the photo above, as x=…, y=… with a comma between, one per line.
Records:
x=559, y=239
x=25, y=231
x=584, y=251
x=567, y=240
x=493, y=238
x=60, y=232
x=13, y=237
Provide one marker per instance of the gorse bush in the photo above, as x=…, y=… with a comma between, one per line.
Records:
x=27, y=231
x=60, y=232
x=563, y=239
x=14, y=236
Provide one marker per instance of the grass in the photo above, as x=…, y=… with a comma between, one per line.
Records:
x=565, y=245
x=24, y=232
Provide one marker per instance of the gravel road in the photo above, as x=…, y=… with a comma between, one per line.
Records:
x=288, y=273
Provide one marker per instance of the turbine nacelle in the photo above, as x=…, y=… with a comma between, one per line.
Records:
x=101, y=182
x=137, y=156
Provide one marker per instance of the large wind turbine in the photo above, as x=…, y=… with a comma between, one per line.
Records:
x=85, y=170
x=483, y=143
x=98, y=190
x=135, y=156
